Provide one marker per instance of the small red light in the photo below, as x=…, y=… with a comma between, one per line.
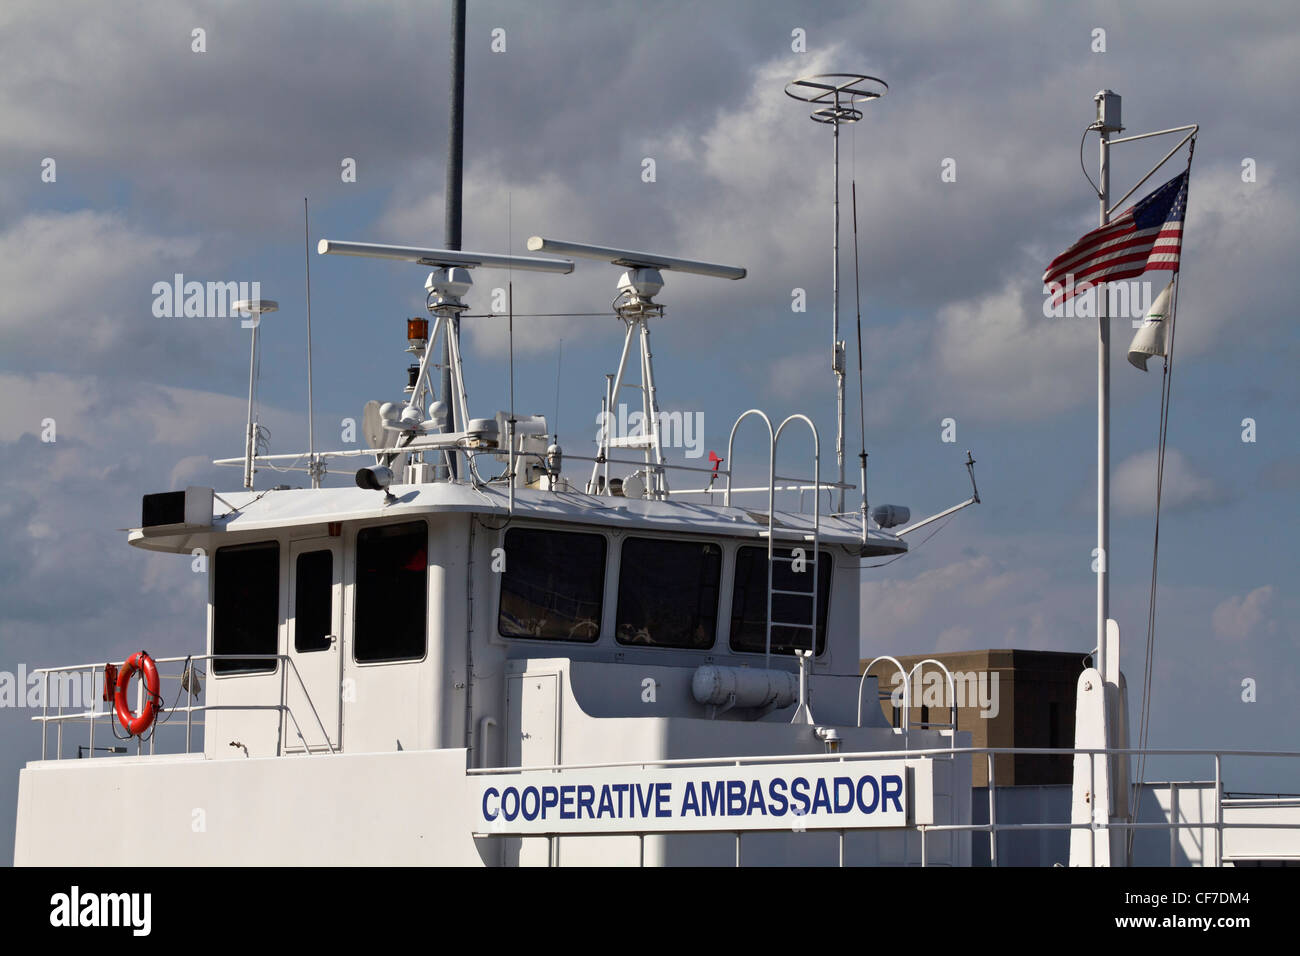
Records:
x=417, y=329
x=110, y=682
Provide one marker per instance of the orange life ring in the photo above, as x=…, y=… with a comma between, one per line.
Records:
x=136, y=724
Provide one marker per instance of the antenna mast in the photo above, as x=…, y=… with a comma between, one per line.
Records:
x=314, y=468
x=257, y=307
x=835, y=95
x=452, y=220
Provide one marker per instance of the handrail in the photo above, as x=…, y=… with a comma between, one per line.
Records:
x=94, y=715
x=952, y=694
x=907, y=697
x=771, y=454
x=736, y=761
x=771, y=536
x=993, y=827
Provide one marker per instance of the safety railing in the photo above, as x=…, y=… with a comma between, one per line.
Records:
x=1098, y=829
x=188, y=682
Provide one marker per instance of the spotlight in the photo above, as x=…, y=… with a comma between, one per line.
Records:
x=374, y=478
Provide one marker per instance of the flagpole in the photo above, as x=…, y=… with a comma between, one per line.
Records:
x=1107, y=662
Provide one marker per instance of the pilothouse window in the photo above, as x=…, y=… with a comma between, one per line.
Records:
x=313, y=602
x=749, y=601
x=668, y=593
x=391, y=592
x=246, y=606
x=552, y=585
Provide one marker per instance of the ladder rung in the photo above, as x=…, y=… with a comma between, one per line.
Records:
x=806, y=594
x=783, y=557
x=806, y=627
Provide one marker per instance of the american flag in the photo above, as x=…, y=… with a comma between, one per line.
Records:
x=1148, y=236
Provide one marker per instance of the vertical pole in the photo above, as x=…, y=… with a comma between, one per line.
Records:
x=452, y=221
x=456, y=127
x=248, y=431
x=1218, y=809
x=836, y=364
x=311, y=421
x=1104, y=652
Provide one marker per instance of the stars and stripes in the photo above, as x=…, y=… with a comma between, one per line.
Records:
x=1148, y=236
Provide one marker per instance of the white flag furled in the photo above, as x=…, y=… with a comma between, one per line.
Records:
x=1153, y=336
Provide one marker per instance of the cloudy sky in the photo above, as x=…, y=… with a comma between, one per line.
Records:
x=170, y=160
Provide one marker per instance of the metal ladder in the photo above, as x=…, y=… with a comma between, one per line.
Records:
x=806, y=656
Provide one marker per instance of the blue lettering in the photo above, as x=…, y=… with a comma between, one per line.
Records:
x=620, y=789
x=756, y=799
x=778, y=809
x=799, y=793
x=892, y=790
x=735, y=798
x=642, y=805
x=712, y=797
x=822, y=798
x=489, y=792
x=606, y=802
x=537, y=803
x=662, y=790
x=690, y=802
x=586, y=796
x=875, y=794
x=550, y=798
x=510, y=812
x=847, y=804
x=566, y=802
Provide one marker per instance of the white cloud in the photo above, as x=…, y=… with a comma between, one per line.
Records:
x=1237, y=618
x=1133, y=486
x=79, y=283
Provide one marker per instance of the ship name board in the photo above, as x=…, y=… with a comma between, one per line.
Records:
x=794, y=796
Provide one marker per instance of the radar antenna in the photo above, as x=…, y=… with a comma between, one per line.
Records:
x=635, y=306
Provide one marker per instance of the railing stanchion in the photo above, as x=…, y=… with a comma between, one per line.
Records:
x=993, y=814
x=91, y=706
x=1218, y=810
x=45, y=715
x=59, y=713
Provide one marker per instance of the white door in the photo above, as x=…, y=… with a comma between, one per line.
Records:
x=312, y=677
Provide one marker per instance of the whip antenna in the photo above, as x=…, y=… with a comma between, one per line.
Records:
x=862, y=402
x=314, y=468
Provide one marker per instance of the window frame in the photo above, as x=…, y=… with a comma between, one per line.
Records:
x=296, y=592
x=607, y=539
x=698, y=540
x=217, y=667
x=350, y=619
x=823, y=556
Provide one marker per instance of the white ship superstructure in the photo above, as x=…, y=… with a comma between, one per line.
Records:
x=475, y=656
